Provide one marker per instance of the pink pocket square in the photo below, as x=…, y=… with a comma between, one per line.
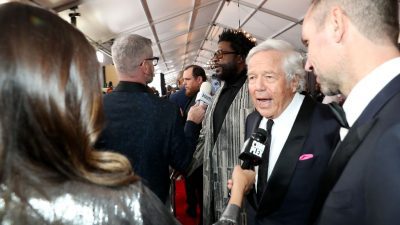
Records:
x=306, y=156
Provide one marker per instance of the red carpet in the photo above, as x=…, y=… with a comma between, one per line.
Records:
x=180, y=207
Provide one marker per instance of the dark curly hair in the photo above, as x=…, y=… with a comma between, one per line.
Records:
x=240, y=43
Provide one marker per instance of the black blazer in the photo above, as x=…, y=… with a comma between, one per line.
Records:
x=363, y=178
x=293, y=185
x=149, y=131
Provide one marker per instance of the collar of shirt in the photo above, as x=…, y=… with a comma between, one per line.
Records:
x=366, y=89
x=280, y=130
x=127, y=86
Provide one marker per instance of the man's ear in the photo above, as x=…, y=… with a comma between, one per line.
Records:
x=142, y=67
x=338, y=23
x=294, y=83
x=145, y=67
x=240, y=59
x=199, y=79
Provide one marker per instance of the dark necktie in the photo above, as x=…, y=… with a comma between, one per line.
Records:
x=263, y=168
x=339, y=114
x=325, y=187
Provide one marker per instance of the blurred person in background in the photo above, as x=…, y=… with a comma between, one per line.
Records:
x=193, y=78
x=179, y=97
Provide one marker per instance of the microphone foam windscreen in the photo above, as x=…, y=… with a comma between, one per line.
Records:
x=206, y=87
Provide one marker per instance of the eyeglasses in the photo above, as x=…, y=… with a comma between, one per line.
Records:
x=153, y=59
x=220, y=54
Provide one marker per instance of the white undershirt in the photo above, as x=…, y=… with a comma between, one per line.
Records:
x=280, y=131
x=366, y=89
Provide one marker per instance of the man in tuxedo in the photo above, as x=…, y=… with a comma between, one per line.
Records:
x=352, y=49
x=301, y=137
x=146, y=129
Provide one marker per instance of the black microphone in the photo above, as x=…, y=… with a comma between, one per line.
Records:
x=253, y=149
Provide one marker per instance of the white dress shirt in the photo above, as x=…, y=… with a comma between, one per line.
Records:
x=366, y=89
x=280, y=130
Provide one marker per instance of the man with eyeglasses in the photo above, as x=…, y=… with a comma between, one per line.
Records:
x=145, y=128
x=223, y=129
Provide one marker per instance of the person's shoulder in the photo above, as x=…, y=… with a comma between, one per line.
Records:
x=127, y=202
x=94, y=202
x=323, y=116
x=177, y=94
x=323, y=110
x=253, y=114
x=165, y=104
x=121, y=196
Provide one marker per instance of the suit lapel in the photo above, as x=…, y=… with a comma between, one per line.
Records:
x=253, y=123
x=359, y=130
x=279, y=181
x=343, y=153
x=346, y=149
x=353, y=139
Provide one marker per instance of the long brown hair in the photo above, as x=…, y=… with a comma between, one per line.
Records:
x=51, y=101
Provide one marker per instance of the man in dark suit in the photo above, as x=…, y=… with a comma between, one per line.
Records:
x=145, y=128
x=360, y=60
x=193, y=77
x=302, y=137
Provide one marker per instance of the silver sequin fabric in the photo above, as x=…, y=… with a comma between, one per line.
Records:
x=73, y=203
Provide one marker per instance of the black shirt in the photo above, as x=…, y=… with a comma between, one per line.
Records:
x=228, y=94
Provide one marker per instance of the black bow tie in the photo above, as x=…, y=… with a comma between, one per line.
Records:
x=339, y=114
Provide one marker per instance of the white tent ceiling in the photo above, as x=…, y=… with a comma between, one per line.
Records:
x=183, y=31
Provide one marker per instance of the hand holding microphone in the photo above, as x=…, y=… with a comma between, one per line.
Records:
x=196, y=113
x=203, y=99
x=243, y=180
x=204, y=96
x=243, y=177
x=252, y=151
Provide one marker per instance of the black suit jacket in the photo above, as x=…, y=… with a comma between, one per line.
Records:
x=149, y=131
x=363, y=178
x=293, y=185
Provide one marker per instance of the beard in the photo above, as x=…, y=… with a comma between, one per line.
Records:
x=226, y=71
x=331, y=77
x=190, y=93
x=329, y=87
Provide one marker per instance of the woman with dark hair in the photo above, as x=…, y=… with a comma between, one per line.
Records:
x=51, y=115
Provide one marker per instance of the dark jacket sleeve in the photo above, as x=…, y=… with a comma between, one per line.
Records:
x=183, y=143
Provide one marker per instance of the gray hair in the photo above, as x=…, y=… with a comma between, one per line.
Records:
x=292, y=63
x=376, y=19
x=128, y=51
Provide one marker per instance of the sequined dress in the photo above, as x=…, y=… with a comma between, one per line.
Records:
x=80, y=203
